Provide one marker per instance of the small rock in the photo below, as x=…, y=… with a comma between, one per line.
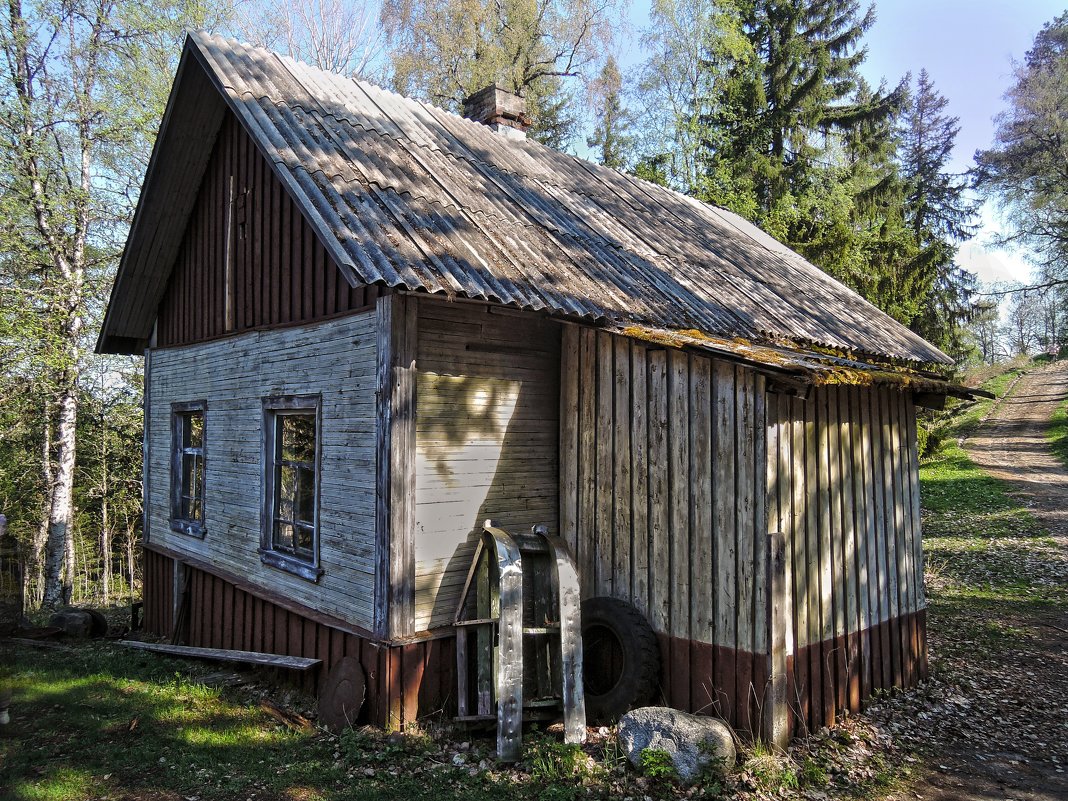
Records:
x=368, y=771
x=692, y=741
x=458, y=760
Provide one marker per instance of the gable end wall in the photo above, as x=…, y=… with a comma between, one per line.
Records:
x=280, y=272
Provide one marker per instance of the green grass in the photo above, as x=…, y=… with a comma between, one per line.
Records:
x=1058, y=433
x=988, y=559
x=103, y=721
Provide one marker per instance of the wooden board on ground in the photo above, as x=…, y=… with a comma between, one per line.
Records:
x=225, y=655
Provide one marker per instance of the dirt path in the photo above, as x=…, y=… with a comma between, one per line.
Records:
x=998, y=713
x=1011, y=445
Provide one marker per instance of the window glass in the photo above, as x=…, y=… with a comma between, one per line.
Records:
x=187, y=466
x=293, y=439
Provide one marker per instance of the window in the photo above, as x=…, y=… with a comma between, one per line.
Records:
x=187, y=467
x=291, y=485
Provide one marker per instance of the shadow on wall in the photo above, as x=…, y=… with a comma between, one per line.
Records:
x=487, y=448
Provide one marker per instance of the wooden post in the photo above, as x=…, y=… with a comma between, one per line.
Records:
x=178, y=589
x=776, y=715
x=395, y=459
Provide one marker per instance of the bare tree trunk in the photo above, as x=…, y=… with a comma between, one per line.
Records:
x=130, y=557
x=105, y=545
x=34, y=579
x=56, y=585
x=105, y=522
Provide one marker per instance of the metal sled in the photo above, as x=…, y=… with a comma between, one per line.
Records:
x=519, y=637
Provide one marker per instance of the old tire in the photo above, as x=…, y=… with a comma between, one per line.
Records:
x=620, y=659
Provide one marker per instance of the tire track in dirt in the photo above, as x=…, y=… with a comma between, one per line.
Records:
x=1010, y=444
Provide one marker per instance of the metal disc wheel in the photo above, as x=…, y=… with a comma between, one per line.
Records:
x=342, y=694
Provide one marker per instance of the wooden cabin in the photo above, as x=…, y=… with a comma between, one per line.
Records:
x=368, y=325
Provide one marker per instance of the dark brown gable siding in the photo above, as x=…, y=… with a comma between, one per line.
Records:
x=281, y=273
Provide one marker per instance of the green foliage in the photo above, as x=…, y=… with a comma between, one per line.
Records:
x=86, y=88
x=657, y=764
x=1058, y=433
x=758, y=106
x=1024, y=169
x=768, y=771
x=813, y=774
x=938, y=214
x=552, y=761
x=611, y=137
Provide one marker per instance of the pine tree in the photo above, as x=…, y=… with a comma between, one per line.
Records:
x=939, y=215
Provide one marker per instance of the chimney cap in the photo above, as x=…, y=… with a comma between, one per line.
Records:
x=496, y=107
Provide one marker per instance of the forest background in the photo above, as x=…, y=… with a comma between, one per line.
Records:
x=759, y=106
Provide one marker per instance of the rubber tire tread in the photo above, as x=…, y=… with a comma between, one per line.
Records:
x=640, y=679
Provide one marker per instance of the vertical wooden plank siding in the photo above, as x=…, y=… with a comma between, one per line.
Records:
x=844, y=463
x=679, y=441
x=397, y=326
x=279, y=271
x=724, y=547
x=404, y=682
x=679, y=478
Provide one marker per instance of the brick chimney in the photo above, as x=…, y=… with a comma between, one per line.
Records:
x=501, y=110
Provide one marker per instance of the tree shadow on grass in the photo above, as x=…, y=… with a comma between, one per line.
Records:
x=129, y=726
x=100, y=721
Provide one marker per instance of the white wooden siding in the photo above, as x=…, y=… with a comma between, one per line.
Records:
x=336, y=359
x=487, y=401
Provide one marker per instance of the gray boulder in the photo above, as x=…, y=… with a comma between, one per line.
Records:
x=692, y=741
x=74, y=622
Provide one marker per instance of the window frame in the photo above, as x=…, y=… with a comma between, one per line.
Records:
x=180, y=413
x=275, y=408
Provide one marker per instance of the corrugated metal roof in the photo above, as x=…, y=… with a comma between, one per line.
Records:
x=413, y=197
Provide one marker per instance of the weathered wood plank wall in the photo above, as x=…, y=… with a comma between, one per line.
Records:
x=157, y=593
x=279, y=273
x=335, y=359
x=843, y=488
x=487, y=393
x=404, y=683
x=662, y=491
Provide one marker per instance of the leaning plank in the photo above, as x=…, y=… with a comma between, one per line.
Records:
x=224, y=655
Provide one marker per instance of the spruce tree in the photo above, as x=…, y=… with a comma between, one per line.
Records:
x=611, y=138
x=777, y=109
x=939, y=215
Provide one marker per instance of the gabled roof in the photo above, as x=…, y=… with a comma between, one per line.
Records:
x=409, y=196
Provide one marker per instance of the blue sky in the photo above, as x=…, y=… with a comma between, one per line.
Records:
x=968, y=48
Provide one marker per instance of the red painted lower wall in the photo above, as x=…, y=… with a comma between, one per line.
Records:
x=822, y=679
x=404, y=682
x=408, y=682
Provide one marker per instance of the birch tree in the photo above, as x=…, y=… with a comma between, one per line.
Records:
x=342, y=36
x=80, y=101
